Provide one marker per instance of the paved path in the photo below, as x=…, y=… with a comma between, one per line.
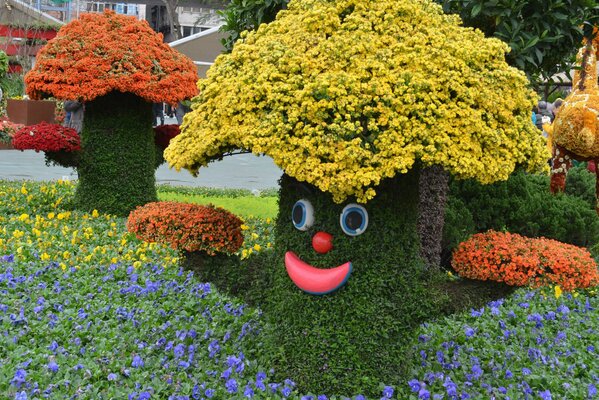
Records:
x=243, y=171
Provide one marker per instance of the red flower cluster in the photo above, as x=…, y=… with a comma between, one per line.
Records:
x=47, y=137
x=100, y=53
x=518, y=261
x=164, y=133
x=185, y=226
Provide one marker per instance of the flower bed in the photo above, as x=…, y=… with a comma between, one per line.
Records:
x=518, y=260
x=7, y=131
x=88, y=310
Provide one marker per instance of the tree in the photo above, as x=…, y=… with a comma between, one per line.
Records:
x=352, y=99
x=543, y=36
x=118, y=66
x=242, y=15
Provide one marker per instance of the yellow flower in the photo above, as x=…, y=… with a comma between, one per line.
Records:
x=558, y=292
x=24, y=189
x=51, y=215
x=45, y=256
x=410, y=86
x=95, y=214
x=24, y=217
x=18, y=234
x=63, y=266
x=137, y=264
x=257, y=247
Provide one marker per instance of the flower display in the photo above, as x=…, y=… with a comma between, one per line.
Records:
x=47, y=137
x=100, y=53
x=189, y=227
x=518, y=261
x=7, y=130
x=163, y=134
x=83, y=300
x=343, y=94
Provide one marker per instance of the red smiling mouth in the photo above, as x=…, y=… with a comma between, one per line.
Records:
x=315, y=280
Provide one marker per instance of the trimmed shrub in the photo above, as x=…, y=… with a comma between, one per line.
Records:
x=350, y=340
x=523, y=205
x=116, y=170
x=519, y=261
x=189, y=227
x=47, y=137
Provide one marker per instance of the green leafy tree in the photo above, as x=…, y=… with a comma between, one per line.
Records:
x=243, y=15
x=543, y=35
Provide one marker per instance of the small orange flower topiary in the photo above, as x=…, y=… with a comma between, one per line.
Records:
x=519, y=261
x=189, y=227
x=100, y=53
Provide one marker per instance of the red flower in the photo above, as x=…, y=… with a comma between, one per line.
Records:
x=190, y=227
x=164, y=133
x=518, y=261
x=47, y=137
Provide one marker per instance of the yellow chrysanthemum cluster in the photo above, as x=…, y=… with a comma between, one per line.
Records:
x=344, y=94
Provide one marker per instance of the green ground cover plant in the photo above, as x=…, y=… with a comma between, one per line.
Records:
x=87, y=310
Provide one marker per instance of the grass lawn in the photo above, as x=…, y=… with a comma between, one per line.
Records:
x=248, y=205
x=88, y=311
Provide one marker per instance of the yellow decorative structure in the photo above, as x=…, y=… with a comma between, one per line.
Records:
x=575, y=130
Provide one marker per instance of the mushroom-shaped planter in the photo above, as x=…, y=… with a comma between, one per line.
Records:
x=117, y=66
x=352, y=98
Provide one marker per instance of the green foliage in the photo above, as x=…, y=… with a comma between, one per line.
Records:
x=263, y=207
x=523, y=205
x=116, y=170
x=243, y=15
x=3, y=63
x=350, y=340
x=543, y=35
x=12, y=85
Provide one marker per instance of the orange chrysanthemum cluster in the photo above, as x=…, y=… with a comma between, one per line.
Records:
x=47, y=137
x=101, y=53
x=189, y=227
x=519, y=261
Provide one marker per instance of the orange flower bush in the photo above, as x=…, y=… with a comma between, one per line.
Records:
x=101, y=53
x=518, y=261
x=189, y=227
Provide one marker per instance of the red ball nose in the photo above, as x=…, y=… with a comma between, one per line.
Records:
x=322, y=242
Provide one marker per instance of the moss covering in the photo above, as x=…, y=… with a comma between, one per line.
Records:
x=116, y=169
x=353, y=339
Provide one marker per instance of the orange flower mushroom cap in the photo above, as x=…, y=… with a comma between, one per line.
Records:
x=101, y=53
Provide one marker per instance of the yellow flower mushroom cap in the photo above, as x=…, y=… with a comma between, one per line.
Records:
x=342, y=94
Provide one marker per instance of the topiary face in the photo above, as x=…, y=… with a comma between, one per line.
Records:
x=371, y=272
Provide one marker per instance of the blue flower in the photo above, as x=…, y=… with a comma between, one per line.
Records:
x=508, y=374
x=112, y=377
x=545, y=395
x=424, y=394
x=248, y=392
x=21, y=396
x=388, y=392
x=592, y=390
x=414, y=385
x=231, y=386
x=179, y=351
x=52, y=366
x=209, y=393
x=526, y=371
x=477, y=313
x=469, y=331
x=137, y=362
x=144, y=396
x=19, y=378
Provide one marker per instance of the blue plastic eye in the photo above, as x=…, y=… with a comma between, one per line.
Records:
x=302, y=215
x=354, y=219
